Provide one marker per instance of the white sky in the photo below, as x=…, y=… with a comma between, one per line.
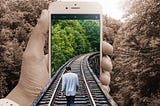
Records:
x=113, y=8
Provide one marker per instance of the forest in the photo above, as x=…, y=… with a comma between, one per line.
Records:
x=135, y=79
x=71, y=38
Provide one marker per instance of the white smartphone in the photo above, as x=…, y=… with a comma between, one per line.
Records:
x=75, y=28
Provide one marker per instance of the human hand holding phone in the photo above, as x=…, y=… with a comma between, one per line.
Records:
x=88, y=19
x=34, y=72
x=106, y=65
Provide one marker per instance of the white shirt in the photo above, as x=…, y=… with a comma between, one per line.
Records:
x=70, y=84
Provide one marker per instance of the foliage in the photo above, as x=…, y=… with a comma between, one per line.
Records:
x=71, y=38
x=110, y=28
x=92, y=29
x=137, y=54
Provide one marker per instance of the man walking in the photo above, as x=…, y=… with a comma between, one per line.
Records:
x=70, y=86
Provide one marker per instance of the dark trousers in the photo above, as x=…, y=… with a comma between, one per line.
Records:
x=70, y=100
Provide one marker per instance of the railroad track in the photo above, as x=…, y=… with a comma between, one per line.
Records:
x=89, y=93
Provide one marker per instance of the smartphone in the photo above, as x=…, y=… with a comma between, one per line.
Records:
x=75, y=28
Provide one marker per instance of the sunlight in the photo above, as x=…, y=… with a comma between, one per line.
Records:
x=112, y=8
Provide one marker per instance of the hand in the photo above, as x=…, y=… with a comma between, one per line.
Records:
x=106, y=65
x=34, y=71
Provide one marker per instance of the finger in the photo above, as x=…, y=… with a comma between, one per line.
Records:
x=47, y=65
x=106, y=63
x=106, y=88
x=105, y=78
x=36, y=42
x=107, y=49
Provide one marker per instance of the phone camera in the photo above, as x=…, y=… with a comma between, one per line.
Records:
x=66, y=7
x=75, y=4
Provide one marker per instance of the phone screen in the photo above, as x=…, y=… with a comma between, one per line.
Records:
x=73, y=35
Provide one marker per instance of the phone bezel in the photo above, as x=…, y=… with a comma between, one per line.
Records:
x=75, y=8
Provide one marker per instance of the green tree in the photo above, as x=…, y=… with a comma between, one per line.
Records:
x=61, y=48
x=92, y=29
x=68, y=40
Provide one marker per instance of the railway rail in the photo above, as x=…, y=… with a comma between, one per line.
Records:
x=90, y=92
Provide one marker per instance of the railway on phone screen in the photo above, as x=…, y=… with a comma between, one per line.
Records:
x=90, y=92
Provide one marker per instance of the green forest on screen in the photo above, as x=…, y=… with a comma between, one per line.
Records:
x=70, y=38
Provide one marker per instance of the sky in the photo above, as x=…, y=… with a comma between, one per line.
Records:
x=111, y=8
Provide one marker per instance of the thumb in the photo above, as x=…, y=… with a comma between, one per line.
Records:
x=46, y=60
x=35, y=46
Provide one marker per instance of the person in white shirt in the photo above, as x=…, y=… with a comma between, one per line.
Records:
x=70, y=84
